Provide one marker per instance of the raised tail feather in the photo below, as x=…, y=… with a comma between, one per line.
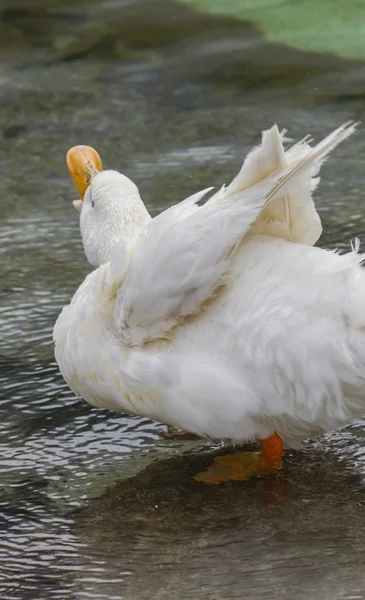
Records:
x=317, y=156
x=292, y=215
x=260, y=162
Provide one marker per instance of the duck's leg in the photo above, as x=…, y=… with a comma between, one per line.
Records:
x=243, y=465
x=173, y=433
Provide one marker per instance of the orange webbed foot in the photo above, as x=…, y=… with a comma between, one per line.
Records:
x=244, y=465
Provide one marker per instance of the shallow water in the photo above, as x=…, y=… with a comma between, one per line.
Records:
x=97, y=505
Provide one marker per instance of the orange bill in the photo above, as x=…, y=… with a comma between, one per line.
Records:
x=83, y=163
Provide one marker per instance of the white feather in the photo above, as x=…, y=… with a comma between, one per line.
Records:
x=292, y=216
x=182, y=256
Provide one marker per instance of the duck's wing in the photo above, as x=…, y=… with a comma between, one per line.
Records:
x=292, y=215
x=181, y=258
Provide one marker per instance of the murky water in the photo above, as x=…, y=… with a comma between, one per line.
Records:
x=97, y=505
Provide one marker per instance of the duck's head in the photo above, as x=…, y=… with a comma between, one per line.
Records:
x=110, y=206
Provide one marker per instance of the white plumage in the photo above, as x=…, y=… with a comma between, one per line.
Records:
x=221, y=319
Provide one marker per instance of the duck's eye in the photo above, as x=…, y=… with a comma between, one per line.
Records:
x=92, y=203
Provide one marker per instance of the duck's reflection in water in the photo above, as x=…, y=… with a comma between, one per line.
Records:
x=161, y=534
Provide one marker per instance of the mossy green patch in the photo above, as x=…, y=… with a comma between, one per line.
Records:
x=325, y=26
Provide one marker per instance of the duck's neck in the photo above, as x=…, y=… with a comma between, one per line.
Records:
x=120, y=221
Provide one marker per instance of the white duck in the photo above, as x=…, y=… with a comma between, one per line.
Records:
x=221, y=319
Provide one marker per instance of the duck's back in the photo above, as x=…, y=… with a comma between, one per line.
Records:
x=290, y=326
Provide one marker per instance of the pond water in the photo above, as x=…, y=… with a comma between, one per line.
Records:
x=98, y=505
